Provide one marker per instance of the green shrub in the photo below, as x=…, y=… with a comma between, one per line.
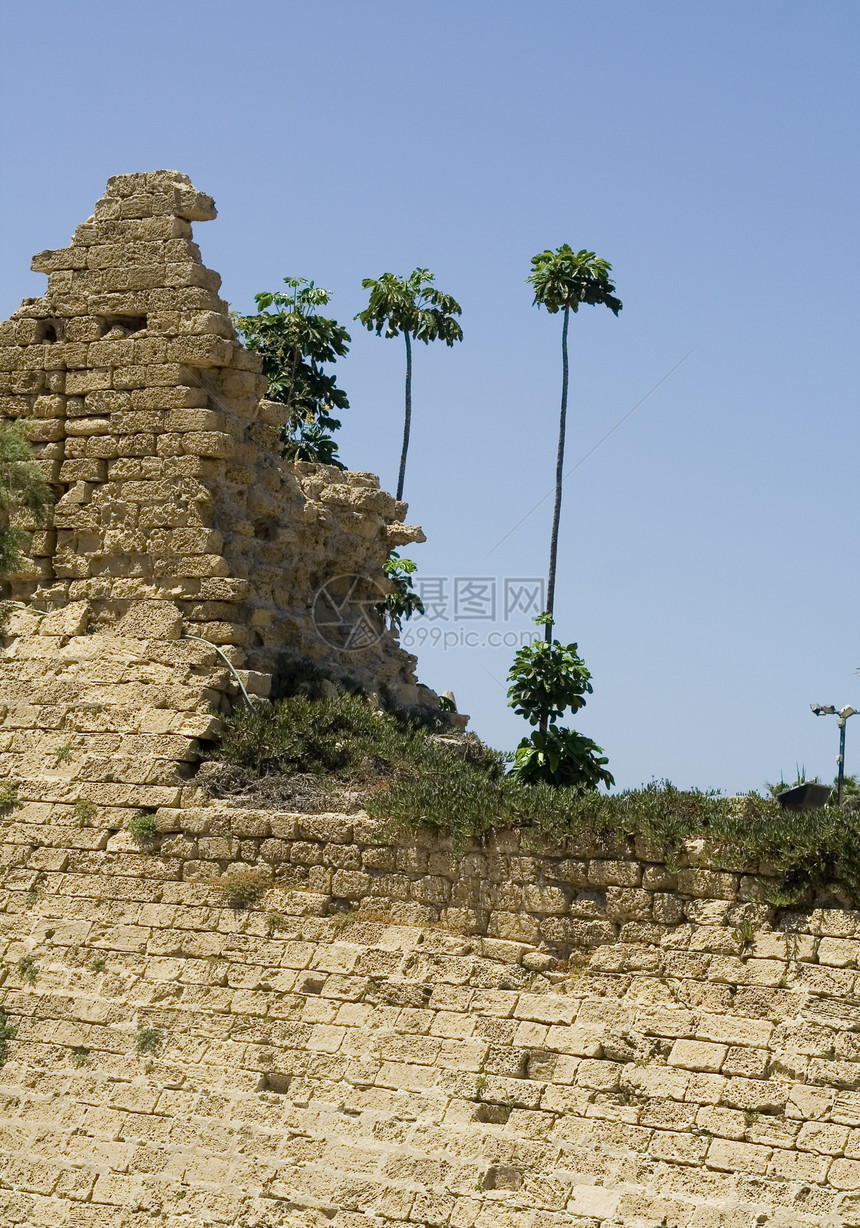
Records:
x=343, y=736
x=142, y=825
x=402, y=602
x=562, y=758
x=148, y=1040
x=413, y=779
x=546, y=678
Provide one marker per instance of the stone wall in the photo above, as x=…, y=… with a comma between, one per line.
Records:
x=392, y=1031
x=664, y=1048
x=582, y=894
x=148, y=417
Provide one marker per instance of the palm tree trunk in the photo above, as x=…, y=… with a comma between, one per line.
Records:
x=559, y=480
x=559, y=476
x=407, y=421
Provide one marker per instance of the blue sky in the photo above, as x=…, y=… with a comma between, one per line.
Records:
x=709, y=555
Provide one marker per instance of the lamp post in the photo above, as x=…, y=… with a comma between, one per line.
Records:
x=842, y=716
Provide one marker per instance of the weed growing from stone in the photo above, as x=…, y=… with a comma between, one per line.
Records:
x=240, y=888
x=99, y=964
x=7, y=1032
x=28, y=969
x=274, y=921
x=63, y=752
x=142, y=825
x=80, y=1056
x=85, y=813
x=148, y=1040
x=9, y=799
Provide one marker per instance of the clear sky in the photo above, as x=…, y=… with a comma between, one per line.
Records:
x=709, y=550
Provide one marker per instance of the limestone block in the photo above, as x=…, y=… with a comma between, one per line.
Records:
x=60, y=258
x=697, y=1055
x=88, y=381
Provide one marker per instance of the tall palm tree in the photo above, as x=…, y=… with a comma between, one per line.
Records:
x=23, y=489
x=412, y=306
x=562, y=281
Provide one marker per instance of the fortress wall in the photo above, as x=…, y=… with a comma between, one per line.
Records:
x=664, y=1048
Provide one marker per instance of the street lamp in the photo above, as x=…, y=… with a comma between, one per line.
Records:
x=841, y=720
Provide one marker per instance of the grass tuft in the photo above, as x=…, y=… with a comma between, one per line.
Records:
x=85, y=812
x=243, y=886
x=148, y=1040
x=9, y=799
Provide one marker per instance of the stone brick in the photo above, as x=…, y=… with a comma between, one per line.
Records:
x=697, y=1055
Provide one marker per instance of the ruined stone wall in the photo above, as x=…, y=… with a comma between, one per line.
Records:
x=148, y=417
x=393, y=1031
x=178, y=1062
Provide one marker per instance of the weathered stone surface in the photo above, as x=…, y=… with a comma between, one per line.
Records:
x=148, y=417
x=392, y=1030
x=303, y=1055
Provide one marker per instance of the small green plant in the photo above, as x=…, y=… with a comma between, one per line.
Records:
x=746, y=930
x=7, y=1032
x=546, y=678
x=274, y=921
x=99, y=964
x=80, y=1056
x=142, y=825
x=28, y=969
x=480, y=1085
x=242, y=887
x=401, y=603
x=63, y=752
x=85, y=812
x=9, y=799
x=148, y=1040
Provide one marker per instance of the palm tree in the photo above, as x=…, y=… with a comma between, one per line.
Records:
x=412, y=306
x=22, y=489
x=562, y=281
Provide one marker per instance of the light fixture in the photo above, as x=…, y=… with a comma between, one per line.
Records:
x=842, y=716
